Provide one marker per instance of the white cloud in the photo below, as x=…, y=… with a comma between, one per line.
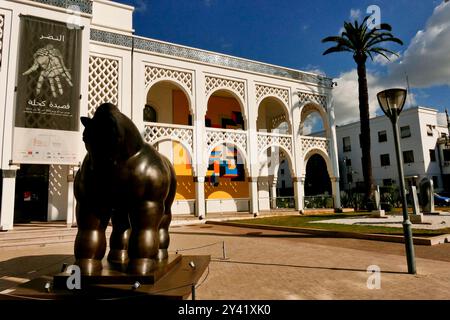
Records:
x=312, y=124
x=426, y=61
x=355, y=14
x=427, y=58
x=379, y=59
x=314, y=69
x=346, y=96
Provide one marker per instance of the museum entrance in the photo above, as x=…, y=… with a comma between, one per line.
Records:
x=31, y=196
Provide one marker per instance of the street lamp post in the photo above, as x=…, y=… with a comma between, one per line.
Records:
x=392, y=102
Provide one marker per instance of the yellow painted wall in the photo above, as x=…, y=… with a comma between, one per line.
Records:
x=183, y=168
x=227, y=189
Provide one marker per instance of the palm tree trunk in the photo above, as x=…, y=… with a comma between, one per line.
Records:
x=365, y=129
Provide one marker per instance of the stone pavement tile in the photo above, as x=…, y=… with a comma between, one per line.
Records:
x=270, y=267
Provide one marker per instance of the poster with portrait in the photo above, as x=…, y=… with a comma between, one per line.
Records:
x=46, y=122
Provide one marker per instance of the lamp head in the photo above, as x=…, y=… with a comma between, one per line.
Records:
x=392, y=101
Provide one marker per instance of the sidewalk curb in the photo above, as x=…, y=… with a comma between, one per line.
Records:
x=425, y=241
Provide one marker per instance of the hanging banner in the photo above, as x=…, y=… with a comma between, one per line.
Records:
x=48, y=93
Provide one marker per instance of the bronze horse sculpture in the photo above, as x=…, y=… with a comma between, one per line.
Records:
x=124, y=179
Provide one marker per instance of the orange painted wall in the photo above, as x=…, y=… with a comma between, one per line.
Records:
x=218, y=108
x=180, y=108
x=221, y=107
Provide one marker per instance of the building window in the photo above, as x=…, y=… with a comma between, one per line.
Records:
x=382, y=136
x=435, y=182
x=388, y=182
x=384, y=159
x=408, y=156
x=432, y=155
x=405, y=132
x=347, y=144
x=150, y=114
x=282, y=172
x=429, y=130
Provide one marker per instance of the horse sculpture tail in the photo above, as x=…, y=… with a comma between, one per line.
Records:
x=164, y=238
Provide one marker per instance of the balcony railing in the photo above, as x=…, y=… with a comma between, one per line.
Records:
x=214, y=136
x=154, y=132
x=309, y=143
x=266, y=139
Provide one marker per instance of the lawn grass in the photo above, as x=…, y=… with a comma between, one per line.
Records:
x=308, y=222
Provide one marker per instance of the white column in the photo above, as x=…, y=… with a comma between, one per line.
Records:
x=298, y=192
x=200, y=210
x=71, y=219
x=336, y=192
x=253, y=186
x=334, y=176
x=273, y=192
x=298, y=181
x=199, y=157
x=8, y=197
x=252, y=148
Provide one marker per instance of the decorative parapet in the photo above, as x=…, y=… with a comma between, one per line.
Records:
x=215, y=137
x=265, y=91
x=309, y=143
x=310, y=97
x=266, y=140
x=213, y=83
x=84, y=5
x=153, y=74
x=155, y=132
x=198, y=55
x=103, y=85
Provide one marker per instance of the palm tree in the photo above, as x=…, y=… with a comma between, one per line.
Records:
x=362, y=41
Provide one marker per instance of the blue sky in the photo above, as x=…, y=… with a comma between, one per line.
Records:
x=288, y=33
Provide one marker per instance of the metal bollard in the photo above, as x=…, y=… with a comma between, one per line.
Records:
x=193, y=291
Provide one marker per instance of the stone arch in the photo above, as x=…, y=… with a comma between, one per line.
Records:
x=310, y=107
x=324, y=155
x=241, y=151
x=177, y=84
x=279, y=101
x=233, y=93
x=186, y=146
x=283, y=150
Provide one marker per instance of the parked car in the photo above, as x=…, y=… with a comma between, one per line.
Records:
x=441, y=201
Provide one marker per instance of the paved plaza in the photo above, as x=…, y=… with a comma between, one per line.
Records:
x=430, y=222
x=264, y=264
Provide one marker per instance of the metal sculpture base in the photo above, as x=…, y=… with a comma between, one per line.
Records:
x=111, y=274
x=177, y=284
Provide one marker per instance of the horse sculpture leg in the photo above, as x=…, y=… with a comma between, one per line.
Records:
x=144, y=240
x=164, y=238
x=90, y=243
x=118, y=242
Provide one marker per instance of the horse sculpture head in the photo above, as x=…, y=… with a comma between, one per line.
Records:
x=110, y=137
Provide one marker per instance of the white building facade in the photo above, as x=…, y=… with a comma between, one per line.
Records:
x=204, y=110
x=420, y=131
